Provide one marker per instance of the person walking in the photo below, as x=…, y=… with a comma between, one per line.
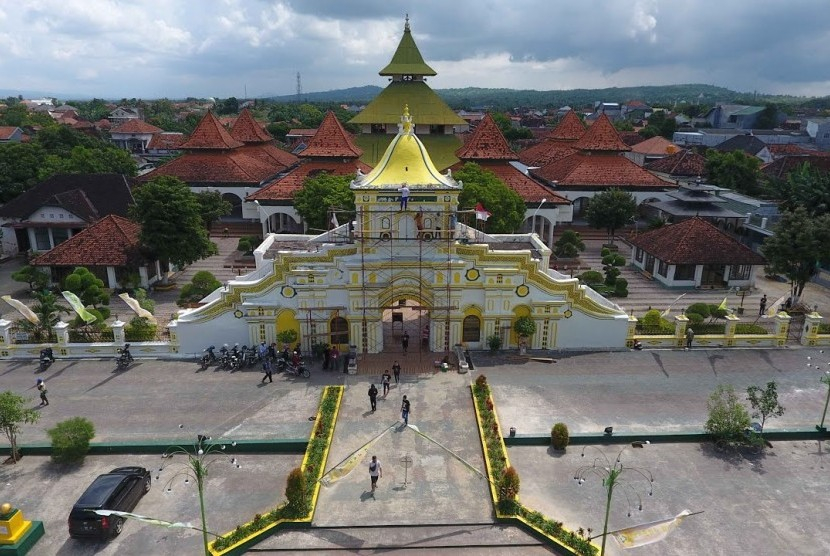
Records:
x=326, y=357
x=267, y=369
x=690, y=336
x=375, y=472
x=373, y=397
x=385, y=381
x=404, y=196
x=41, y=387
x=262, y=351
x=405, y=342
x=405, y=407
x=763, y=306
x=396, y=370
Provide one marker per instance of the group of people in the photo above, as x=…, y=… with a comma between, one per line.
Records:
x=386, y=384
x=268, y=355
x=375, y=468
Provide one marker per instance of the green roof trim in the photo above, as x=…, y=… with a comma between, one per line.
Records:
x=407, y=59
x=426, y=107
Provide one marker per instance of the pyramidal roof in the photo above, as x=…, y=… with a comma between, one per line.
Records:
x=570, y=128
x=209, y=134
x=486, y=143
x=601, y=136
x=331, y=140
x=405, y=161
x=407, y=59
x=247, y=130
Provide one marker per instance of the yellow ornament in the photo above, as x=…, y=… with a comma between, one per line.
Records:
x=5, y=508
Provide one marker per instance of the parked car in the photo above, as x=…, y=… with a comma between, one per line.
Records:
x=120, y=490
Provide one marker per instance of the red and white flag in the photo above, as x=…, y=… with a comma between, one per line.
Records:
x=482, y=213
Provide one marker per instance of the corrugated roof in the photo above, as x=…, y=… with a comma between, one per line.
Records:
x=426, y=107
x=407, y=59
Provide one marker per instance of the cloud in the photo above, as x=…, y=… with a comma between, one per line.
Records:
x=178, y=48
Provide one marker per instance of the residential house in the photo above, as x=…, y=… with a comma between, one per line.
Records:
x=650, y=150
x=134, y=135
x=760, y=217
x=636, y=111
x=56, y=209
x=10, y=134
x=778, y=169
x=733, y=116
x=124, y=113
x=714, y=137
x=819, y=131
x=110, y=249
x=749, y=144
x=682, y=165
x=612, y=110
x=695, y=254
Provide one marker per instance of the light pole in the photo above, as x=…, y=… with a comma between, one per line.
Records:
x=199, y=460
x=533, y=218
x=614, y=475
x=825, y=380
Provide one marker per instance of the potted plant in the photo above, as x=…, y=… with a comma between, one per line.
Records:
x=559, y=436
x=524, y=327
x=494, y=343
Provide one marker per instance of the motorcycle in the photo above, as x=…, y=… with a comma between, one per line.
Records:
x=250, y=357
x=46, y=358
x=209, y=357
x=290, y=368
x=124, y=357
x=226, y=358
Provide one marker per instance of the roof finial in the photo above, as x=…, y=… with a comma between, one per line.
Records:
x=406, y=25
x=406, y=120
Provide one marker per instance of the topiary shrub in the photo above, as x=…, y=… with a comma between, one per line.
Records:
x=295, y=492
x=203, y=284
x=591, y=277
x=287, y=337
x=481, y=381
x=494, y=343
x=608, y=259
x=569, y=245
x=604, y=252
x=70, y=440
x=695, y=318
x=524, y=327
x=651, y=318
x=701, y=309
x=140, y=329
x=619, y=260
x=509, y=484
x=716, y=312
x=244, y=245
x=559, y=437
x=621, y=287
x=611, y=275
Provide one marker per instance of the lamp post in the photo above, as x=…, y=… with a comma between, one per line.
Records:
x=533, y=218
x=614, y=475
x=826, y=380
x=199, y=460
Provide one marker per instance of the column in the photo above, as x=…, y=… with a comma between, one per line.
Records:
x=809, y=336
x=118, y=332
x=6, y=332
x=731, y=322
x=680, y=324
x=782, y=328
x=62, y=333
x=632, y=330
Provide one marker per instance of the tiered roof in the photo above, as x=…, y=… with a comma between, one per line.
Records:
x=557, y=144
x=426, y=107
x=112, y=241
x=248, y=130
x=210, y=134
x=695, y=241
x=331, y=140
x=570, y=128
x=407, y=59
x=601, y=136
x=486, y=143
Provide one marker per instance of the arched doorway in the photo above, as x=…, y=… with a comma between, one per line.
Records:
x=236, y=205
x=339, y=333
x=406, y=318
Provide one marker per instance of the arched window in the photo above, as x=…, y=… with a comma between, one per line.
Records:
x=339, y=331
x=471, y=330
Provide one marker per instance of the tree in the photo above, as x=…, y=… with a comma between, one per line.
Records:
x=86, y=160
x=805, y=187
x=764, y=402
x=659, y=124
x=171, y=221
x=611, y=210
x=524, y=327
x=19, y=166
x=32, y=275
x=213, y=206
x=798, y=246
x=483, y=186
x=727, y=417
x=228, y=106
x=320, y=193
x=768, y=118
x=48, y=311
x=734, y=170
x=569, y=245
x=203, y=284
x=70, y=439
x=12, y=415
x=89, y=288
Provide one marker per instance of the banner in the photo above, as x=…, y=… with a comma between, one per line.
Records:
x=351, y=462
x=76, y=304
x=22, y=309
x=450, y=452
x=722, y=305
x=665, y=313
x=152, y=521
x=482, y=213
x=648, y=533
x=136, y=307
x=775, y=307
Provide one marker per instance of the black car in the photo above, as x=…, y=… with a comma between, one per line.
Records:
x=120, y=490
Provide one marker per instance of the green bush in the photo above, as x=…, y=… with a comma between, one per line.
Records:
x=591, y=277
x=749, y=328
x=203, y=284
x=559, y=436
x=287, y=337
x=36, y=278
x=709, y=328
x=695, y=318
x=701, y=309
x=619, y=260
x=824, y=328
x=494, y=343
x=607, y=260
x=524, y=327
x=70, y=440
x=295, y=492
x=569, y=245
x=621, y=287
x=611, y=275
x=247, y=244
x=509, y=484
x=604, y=252
x=716, y=312
x=651, y=318
x=140, y=329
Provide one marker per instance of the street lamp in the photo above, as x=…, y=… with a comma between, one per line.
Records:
x=533, y=218
x=199, y=460
x=826, y=380
x=614, y=475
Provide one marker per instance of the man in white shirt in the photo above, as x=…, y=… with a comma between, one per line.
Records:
x=404, y=196
x=375, y=471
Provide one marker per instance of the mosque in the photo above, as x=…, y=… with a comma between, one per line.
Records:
x=419, y=267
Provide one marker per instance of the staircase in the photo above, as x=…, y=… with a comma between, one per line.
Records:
x=235, y=229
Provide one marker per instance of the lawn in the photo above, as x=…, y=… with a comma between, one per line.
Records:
x=441, y=148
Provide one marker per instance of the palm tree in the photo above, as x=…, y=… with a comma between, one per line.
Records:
x=48, y=310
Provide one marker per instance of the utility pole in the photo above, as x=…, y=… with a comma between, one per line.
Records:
x=299, y=89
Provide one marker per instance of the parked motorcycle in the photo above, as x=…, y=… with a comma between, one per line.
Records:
x=250, y=357
x=46, y=358
x=290, y=368
x=226, y=358
x=209, y=358
x=124, y=357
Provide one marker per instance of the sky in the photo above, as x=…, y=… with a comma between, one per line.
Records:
x=253, y=48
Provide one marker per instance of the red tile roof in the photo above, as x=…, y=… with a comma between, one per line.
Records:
x=209, y=134
x=103, y=123
x=6, y=131
x=248, y=130
x=234, y=166
x=598, y=170
x=655, y=146
x=166, y=140
x=486, y=143
x=601, y=136
x=283, y=188
x=112, y=241
x=270, y=154
x=684, y=163
x=631, y=138
x=695, y=241
x=546, y=152
x=331, y=140
x=136, y=126
x=528, y=189
x=792, y=148
x=779, y=169
x=570, y=128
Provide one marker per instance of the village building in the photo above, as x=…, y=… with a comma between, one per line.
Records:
x=134, y=135
x=695, y=254
x=684, y=165
x=11, y=134
x=649, y=150
x=400, y=267
x=407, y=72
x=694, y=200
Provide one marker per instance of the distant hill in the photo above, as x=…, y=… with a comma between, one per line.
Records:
x=506, y=99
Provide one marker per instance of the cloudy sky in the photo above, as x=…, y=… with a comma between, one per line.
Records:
x=177, y=48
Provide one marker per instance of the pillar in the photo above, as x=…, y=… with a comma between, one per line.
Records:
x=731, y=323
x=62, y=333
x=632, y=330
x=6, y=332
x=809, y=335
x=680, y=324
x=118, y=332
x=782, y=328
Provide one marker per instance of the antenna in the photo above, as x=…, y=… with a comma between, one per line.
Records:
x=299, y=88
